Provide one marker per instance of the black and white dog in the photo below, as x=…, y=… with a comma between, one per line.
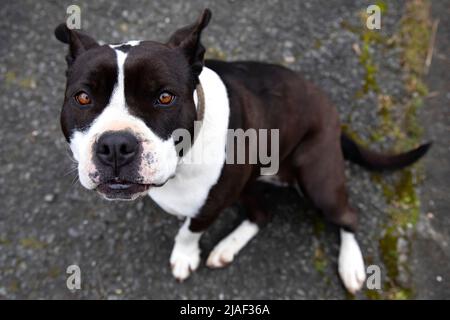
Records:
x=124, y=102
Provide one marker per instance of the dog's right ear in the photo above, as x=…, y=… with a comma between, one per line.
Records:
x=78, y=42
x=188, y=39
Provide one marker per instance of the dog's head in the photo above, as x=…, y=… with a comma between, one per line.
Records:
x=123, y=103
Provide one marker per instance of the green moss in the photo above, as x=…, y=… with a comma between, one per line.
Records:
x=32, y=243
x=397, y=120
x=373, y=295
x=414, y=37
x=54, y=272
x=14, y=286
x=369, y=38
x=215, y=53
x=319, y=225
x=27, y=83
x=10, y=77
x=4, y=242
x=389, y=253
x=382, y=5
x=317, y=44
x=353, y=135
x=402, y=294
x=320, y=262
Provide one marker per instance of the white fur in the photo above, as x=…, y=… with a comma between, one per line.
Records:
x=186, y=193
x=160, y=157
x=351, y=263
x=185, y=257
x=225, y=251
x=274, y=180
x=130, y=43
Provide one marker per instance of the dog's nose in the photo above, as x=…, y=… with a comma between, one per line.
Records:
x=117, y=149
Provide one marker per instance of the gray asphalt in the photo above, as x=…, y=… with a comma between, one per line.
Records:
x=48, y=221
x=433, y=233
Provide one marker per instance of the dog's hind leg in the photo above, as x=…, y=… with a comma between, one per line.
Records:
x=225, y=251
x=321, y=177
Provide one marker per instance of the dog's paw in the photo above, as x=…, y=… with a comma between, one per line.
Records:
x=184, y=263
x=351, y=265
x=222, y=255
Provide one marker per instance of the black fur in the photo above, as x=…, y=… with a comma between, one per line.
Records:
x=375, y=161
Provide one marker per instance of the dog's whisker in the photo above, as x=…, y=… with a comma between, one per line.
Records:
x=69, y=155
x=72, y=170
x=75, y=180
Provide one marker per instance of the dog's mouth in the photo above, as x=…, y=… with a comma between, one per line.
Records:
x=122, y=190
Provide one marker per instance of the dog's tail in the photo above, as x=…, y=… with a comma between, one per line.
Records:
x=375, y=161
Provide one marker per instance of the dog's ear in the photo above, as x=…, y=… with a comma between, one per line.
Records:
x=188, y=39
x=78, y=41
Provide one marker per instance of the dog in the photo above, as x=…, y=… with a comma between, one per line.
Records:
x=124, y=102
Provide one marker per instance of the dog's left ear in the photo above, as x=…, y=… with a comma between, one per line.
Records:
x=188, y=39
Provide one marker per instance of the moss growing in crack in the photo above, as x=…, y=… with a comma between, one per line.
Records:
x=398, y=121
x=383, y=6
x=319, y=225
x=32, y=243
x=320, y=262
x=353, y=135
x=389, y=253
x=414, y=38
x=366, y=60
x=368, y=38
x=373, y=295
x=402, y=197
x=413, y=129
x=4, y=242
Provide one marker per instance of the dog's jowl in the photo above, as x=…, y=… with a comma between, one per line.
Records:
x=124, y=103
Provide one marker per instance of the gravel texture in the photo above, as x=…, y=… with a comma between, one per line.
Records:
x=48, y=221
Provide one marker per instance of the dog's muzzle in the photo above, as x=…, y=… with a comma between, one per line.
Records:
x=117, y=156
x=116, y=149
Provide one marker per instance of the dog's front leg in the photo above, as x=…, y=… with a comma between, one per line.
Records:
x=185, y=257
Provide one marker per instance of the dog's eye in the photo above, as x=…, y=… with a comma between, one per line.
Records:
x=83, y=98
x=165, y=98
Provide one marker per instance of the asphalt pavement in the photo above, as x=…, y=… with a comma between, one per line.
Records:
x=48, y=221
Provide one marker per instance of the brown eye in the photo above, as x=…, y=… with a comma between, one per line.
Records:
x=83, y=98
x=165, y=98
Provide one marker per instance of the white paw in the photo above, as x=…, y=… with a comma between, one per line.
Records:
x=184, y=263
x=351, y=264
x=222, y=255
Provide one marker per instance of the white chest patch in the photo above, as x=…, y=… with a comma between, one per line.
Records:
x=186, y=193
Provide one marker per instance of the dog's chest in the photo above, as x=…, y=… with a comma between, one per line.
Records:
x=200, y=168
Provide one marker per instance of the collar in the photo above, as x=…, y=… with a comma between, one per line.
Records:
x=200, y=102
x=200, y=106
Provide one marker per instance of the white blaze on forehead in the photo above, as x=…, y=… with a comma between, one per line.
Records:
x=118, y=95
x=132, y=43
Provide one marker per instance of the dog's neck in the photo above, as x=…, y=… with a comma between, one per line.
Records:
x=199, y=169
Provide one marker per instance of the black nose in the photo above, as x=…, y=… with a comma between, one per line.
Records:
x=117, y=149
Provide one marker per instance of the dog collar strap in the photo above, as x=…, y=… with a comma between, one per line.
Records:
x=200, y=102
x=200, y=109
